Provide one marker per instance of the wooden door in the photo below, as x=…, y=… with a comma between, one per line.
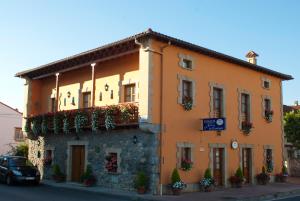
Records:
x=78, y=160
x=246, y=158
x=218, y=165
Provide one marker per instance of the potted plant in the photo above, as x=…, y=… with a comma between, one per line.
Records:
x=58, y=176
x=282, y=177
x=269, y=115
x=141, y=182
x=177, y=185
x=207, y=183
x=247, y=126
x=88, y=178
x=186, y=164
x=187, y=103
x=237, y=179
x=263, y=178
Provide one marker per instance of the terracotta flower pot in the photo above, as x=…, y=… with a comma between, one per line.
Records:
x=141, y=190
x=176, y=191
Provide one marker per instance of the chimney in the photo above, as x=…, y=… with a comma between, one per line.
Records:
x=251, y=57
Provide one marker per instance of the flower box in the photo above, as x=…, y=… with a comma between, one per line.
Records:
x=246, y=127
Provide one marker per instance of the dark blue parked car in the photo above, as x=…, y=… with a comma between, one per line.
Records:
x=15, y=169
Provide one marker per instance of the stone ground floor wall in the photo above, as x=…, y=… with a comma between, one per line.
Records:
x=294, y=167
x=133, y=157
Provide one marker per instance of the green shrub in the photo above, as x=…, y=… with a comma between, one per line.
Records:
x=263, y=169
x=21, y=150
x=175, y=176
x=88, y=173
x=284, y=170
x=207, y=174
x=56, y=170
x=239, y=173
x=141, y=180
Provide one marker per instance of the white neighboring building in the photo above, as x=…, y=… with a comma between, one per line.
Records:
x=10, y=128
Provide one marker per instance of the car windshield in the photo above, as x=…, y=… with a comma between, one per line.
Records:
x=16, y=162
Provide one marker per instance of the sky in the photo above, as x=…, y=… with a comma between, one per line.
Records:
x=35, y=32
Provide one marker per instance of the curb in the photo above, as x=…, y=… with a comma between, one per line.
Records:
x=274, y=196
x=105, y=193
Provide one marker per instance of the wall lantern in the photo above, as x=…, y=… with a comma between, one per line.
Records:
x=135, y=139
x=106, y=87
x=69, y=94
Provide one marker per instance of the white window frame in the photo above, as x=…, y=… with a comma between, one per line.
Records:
x=263, y=104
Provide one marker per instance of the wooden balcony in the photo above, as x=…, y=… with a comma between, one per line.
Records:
x=81, y=120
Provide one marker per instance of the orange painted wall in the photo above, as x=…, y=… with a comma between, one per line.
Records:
x=183, y=126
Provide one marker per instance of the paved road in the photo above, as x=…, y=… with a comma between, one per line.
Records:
x=47, y=193
x=297, y=198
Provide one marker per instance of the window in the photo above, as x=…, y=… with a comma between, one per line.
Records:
x=53, y=104
x=245, y=107
x=112, y=94
x=267, y=104
x=266, y=84
x=100, y=96
x=65, y=101
x=218, y=102
x=19, y=134
x=186, y=90
x=130, y=93
x=86, y=99
x=112, y=162
x=186, y=63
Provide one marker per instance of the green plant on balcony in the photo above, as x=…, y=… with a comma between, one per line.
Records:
x=269, y=115
x=66, y=124
x=109, y=118
x=81, y=121
x=57, y=123
x=28, y=125
x=187, y=103
x=45, y=128
x=125, y=114
x=36, y=125
x=246, y=127
x=95, y=120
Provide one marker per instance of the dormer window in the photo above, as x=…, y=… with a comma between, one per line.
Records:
x=266, y=83
x=187, y=63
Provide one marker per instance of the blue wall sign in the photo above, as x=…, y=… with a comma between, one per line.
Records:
x=213, y=124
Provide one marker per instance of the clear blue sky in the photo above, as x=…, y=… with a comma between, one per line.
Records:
x=37, y=32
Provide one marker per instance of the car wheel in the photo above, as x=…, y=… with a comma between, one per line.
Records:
x=9, y=180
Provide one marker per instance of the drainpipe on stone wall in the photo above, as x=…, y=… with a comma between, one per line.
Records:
x=162, y=128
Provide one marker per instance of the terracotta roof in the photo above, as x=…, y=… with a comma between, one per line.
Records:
x=94, y=54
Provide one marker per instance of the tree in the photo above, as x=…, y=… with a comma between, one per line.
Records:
x=292, y=127
x=19, y=150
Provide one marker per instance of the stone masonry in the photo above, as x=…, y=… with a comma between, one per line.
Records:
x=133, y=157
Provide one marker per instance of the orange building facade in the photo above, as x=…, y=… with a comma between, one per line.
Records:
x=175, y=85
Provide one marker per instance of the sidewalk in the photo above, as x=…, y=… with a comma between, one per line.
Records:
x=247, y=193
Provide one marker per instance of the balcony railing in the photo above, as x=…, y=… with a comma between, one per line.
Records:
x=89, y=119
